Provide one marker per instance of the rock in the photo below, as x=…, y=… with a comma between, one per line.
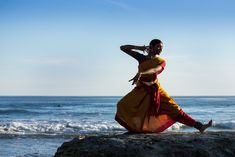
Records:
x=209, y=144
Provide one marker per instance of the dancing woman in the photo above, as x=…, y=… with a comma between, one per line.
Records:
x=148, y=107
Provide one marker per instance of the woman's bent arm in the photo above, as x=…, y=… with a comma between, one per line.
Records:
x=157, y=70
x=129, y=49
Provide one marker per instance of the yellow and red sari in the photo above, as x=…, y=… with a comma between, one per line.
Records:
x=147, y=108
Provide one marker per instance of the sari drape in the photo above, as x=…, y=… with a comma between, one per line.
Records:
x=148, y=107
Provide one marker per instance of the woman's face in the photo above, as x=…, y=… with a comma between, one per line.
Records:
x=156, y=50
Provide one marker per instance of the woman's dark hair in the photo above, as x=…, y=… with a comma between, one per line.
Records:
x=154, y=42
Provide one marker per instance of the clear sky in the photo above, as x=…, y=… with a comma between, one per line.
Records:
x=71, y=47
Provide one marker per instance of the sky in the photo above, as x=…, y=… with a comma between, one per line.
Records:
x=71, y=47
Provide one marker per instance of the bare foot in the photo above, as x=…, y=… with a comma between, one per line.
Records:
x=205, y=126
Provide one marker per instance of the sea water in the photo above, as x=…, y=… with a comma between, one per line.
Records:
x=36, y=126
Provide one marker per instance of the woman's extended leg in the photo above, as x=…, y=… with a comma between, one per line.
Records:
x=172, y=109
x=185, y=119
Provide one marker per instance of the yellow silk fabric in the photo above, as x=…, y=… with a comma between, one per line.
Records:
x=133, y=107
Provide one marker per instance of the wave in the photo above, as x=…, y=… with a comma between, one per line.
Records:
x=55, y=113
x=20, y=111
x=15, y=111
x=56, y=127
x=66, y=127
x=218, y=126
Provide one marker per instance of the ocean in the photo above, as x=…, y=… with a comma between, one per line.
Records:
x=35, y=126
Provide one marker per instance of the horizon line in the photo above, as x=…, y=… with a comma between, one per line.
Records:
x=109, y=95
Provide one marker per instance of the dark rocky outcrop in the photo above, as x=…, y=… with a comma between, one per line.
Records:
x=209, y=144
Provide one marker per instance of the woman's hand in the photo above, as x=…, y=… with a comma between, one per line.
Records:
x=143, y=48
x=146, y=49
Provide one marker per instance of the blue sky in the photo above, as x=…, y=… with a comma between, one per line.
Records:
x=71, y=47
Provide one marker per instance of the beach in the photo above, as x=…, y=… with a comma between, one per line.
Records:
x=36, y=126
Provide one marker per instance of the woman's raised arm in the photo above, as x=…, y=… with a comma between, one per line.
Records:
x=129, y=49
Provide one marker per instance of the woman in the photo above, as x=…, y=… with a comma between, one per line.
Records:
x=148, y=108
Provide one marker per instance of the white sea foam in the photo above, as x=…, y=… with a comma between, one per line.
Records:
x=218, y=126
x=176, y=127
x=72, y=128
x=57, y=127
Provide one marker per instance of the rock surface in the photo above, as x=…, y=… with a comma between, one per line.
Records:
x=209, y=144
